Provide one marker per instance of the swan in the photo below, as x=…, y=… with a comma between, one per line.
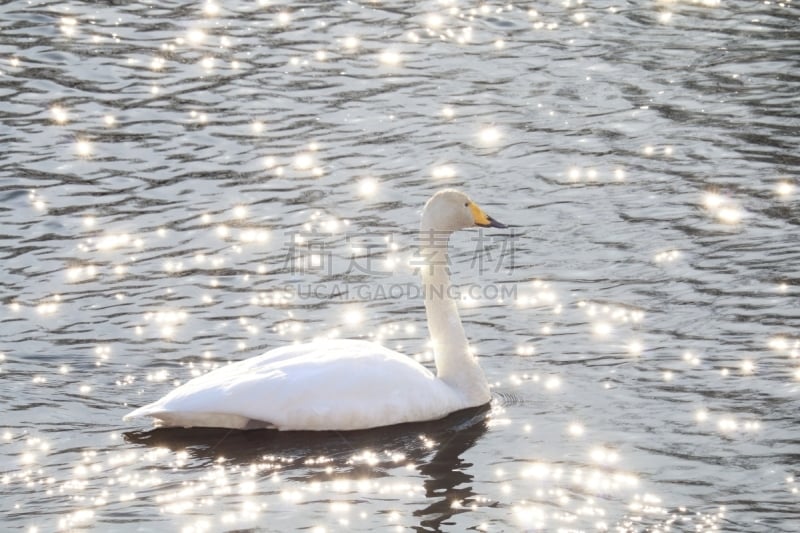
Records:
x=349, y=384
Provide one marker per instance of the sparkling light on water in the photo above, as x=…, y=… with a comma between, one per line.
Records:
x=304, y=161
x=69, y=26
x=691, y=358
x=83, y=147
x=59, y=114
x=526, y=349
x=157, y=63
x=211, y=8
x=353, y=317
x=367, y=187
x=196, y=36
x=434, y=21
x=724, y=209
x=667, y=257
x=221, y=291
x=489, y=136
x=729, y=215
x=390, y=58
x=112, y=241
x=602, y=329
x=257, y=127
x=252, y=235
x=351, y=43
x=284, y=18
x=443, y=172
x=576, y=429
x=784, y=189
x=635, y=348
x=208, y=63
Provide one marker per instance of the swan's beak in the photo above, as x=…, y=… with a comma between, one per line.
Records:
x=482, y=219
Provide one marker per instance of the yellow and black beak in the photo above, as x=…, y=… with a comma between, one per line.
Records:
x=482, y=219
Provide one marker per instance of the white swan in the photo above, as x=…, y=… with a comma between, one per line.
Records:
x=348, y=384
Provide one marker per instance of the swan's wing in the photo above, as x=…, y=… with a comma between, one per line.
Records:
x=326, y=385
x=191, y=404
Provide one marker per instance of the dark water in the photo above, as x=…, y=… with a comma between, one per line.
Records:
x=186, y=184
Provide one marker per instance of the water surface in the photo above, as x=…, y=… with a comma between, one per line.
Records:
x=188, y=184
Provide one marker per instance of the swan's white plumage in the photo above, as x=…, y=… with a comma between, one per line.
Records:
x=348, y=384
x=337, y=384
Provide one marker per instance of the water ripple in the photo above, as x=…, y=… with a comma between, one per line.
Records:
x=160, y=161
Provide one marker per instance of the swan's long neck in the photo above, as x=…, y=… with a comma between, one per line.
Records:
x=454, y=363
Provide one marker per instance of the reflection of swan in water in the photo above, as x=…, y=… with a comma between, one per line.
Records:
x=447, y=479
x=349, y=384
x=205, y=445
x=445, y=474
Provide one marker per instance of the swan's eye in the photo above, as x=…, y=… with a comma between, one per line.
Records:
x=466, y=204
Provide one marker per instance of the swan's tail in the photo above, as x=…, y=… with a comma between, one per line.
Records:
x=166, y=418
x=145, y=410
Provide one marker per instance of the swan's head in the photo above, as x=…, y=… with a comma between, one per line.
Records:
x=451, y=210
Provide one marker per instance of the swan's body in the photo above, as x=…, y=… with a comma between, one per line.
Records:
x=348, y=384
x=339, y=384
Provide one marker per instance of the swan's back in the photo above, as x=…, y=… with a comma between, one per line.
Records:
x=339, y=384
